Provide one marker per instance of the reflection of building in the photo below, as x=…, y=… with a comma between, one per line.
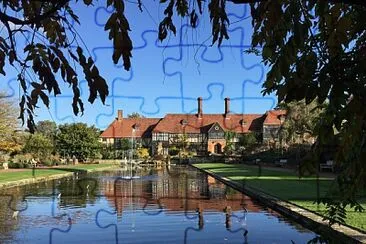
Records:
x=201, y=132
x=176, y=193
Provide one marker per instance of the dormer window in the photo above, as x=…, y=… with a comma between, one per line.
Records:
x=136, y=126
x=282, y=118
x=243, y=123
x=184, y=122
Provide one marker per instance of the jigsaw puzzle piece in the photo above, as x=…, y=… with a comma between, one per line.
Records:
x=148, y=81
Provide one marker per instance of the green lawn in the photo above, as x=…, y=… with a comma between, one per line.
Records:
x=21, y=174
x=284, y=185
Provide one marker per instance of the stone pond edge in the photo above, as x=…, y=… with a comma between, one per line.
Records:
x=300, y=215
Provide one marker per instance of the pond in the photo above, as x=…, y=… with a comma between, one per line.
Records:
x=175, y=204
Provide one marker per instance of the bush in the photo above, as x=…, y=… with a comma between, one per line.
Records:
x=13, y=165
x=22, y=158
x=4, y=158
x=48, y=163
x=143, y=153
x=173, y=151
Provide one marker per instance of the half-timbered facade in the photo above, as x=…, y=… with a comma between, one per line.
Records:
x=203, y=133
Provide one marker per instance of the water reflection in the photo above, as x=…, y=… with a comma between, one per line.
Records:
x=141, y=205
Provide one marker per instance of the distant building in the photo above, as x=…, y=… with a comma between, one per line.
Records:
x=203, y=132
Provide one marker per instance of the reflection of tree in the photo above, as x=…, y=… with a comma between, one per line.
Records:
x=7, y=225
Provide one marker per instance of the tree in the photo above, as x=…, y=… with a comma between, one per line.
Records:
x=229, y=142
x=247, y=140
x=135, y=115
x=8, y=125
x=39, y=146
x=47, y=128
x=301, y=121
x=125, y=144
x=79, y=140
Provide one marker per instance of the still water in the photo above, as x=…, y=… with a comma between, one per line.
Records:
x=157, y=205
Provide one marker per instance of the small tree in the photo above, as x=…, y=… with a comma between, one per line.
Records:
x=301, y=120
x=248, y=141
x=39, y=146
x=229, y=138
x=143, y=153
x=78, y=139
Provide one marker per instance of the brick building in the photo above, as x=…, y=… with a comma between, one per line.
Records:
x=203, y=132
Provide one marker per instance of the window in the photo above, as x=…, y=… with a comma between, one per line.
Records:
x=218, y=135
x=160, y=137
x=270, y=132
x=192, y=138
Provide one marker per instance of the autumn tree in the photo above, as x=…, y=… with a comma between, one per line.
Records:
x=9, y=139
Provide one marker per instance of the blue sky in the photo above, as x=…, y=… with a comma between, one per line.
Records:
x=166, y=77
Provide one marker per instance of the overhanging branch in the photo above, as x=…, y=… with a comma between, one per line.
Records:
x=6, y=18
x=352, y=2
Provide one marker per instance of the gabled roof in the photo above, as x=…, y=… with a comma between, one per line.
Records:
x=123, y=128
x=172, y=123
x=273, y=117
x=215, y=127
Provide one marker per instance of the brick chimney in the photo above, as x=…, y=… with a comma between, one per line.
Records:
x=227, y=107
x=119, y=115
x=199, y=112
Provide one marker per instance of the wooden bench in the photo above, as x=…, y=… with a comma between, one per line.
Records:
x=329, y=164
x=281, y=162
x=257, y=161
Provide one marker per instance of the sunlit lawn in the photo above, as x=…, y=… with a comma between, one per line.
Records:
x=20, y=174
x=284, y=185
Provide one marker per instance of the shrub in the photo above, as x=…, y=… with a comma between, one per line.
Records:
x=173, y=151
x=22, y=158
x=4, y=158
x=143, y=153
x=13, y=165
x=48, y=163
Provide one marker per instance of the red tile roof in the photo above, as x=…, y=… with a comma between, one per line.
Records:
x=273, y=117
x=123, y=128
x=173, y=123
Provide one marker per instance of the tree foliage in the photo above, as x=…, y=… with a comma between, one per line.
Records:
x=135, y=115
x=47, y=128
x=143, y=153
x=39, y=146
x=9, y=139
x=229, y=142
x=301, y=121
x=248, y=140
x=78, y=140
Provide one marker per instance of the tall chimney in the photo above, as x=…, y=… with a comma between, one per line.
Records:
x=119, y=115
x=199, y=113
x=227, y=106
